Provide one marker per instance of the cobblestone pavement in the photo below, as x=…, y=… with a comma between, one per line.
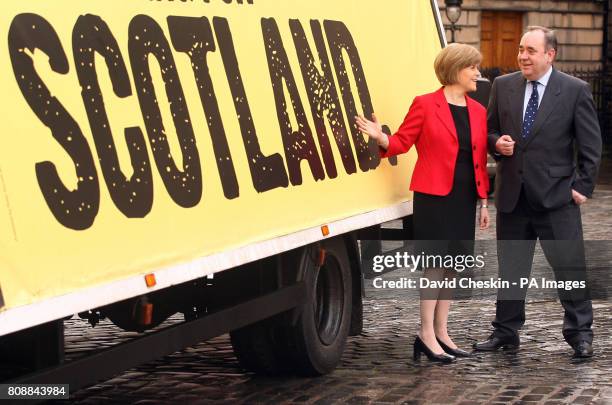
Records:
x=377, y=366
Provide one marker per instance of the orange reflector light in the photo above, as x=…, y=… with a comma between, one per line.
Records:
x=321, y=261
x=146, y=314
x=150, y=280
x=325, y=230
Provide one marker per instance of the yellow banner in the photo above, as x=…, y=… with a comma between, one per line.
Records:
x=144, y=133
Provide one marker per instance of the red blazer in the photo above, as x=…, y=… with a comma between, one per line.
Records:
x=430, y=127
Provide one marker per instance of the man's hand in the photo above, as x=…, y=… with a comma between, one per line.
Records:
x=505, y=145
x=579, y=199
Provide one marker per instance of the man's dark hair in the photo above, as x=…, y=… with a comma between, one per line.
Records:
x=550, y=38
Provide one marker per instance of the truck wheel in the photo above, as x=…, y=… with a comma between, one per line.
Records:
x=309, y=340
x=319, y=336
x=258, y=346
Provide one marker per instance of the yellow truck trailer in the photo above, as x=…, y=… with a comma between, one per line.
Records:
x=198, y=157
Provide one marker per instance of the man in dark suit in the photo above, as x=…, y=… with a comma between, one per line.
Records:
x=544, y=132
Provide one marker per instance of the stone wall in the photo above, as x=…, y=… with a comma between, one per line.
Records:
x=579, y=25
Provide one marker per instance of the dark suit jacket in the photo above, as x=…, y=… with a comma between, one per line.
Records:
x=562, y=152
x=430, y=127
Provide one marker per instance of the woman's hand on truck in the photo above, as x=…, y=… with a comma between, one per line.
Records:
x=373, y=129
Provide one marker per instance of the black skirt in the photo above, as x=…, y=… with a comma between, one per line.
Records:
x=449, y=217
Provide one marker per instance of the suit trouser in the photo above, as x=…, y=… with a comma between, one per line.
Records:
x=560, y=234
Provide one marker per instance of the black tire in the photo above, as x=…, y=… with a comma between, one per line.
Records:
x=319, y=336
x=310, y=341
x=258, y=346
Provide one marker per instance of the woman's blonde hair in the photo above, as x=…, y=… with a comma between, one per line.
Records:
x=454, y=58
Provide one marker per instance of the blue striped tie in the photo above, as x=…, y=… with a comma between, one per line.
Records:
x=531, y=111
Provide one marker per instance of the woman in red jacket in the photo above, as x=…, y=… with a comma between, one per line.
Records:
x=449, y=131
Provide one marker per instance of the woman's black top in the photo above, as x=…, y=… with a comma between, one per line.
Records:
x=451, y=218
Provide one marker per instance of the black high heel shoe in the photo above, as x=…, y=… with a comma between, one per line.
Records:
x=455, y=352
x=420, y=347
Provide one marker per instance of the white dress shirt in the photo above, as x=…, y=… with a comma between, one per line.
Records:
x=542, y=83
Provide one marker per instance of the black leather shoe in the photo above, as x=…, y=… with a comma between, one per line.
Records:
x=455, y=352
x=494, y=343
x=420, y=347
x=583, y=350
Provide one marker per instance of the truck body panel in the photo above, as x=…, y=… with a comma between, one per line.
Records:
x=186, y=138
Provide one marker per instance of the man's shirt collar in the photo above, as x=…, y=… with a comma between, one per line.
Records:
x=545, y=78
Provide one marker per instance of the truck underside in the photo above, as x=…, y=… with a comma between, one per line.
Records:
x=288, y=313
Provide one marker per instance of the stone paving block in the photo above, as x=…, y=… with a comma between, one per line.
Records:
x=542, y=390
x=532, y=398
x=585, y=399
x=504, y=399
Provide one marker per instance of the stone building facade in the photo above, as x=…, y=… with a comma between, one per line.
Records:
x=495, y=27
